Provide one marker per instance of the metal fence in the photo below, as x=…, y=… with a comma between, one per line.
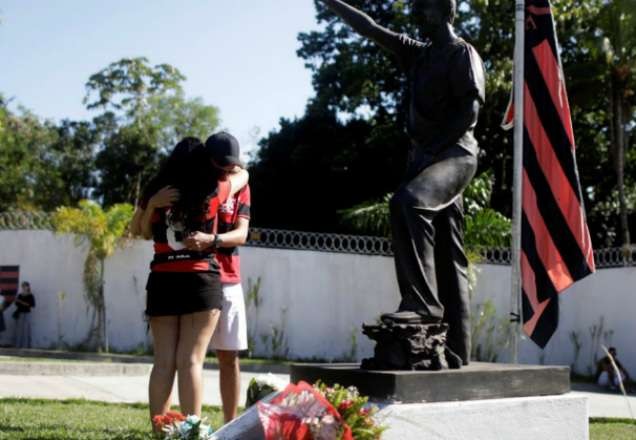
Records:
x=322, y=242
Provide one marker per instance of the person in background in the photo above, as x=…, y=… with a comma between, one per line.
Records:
x=24, y=302
x=3, y=327
x=230, y=336
x=606, y=374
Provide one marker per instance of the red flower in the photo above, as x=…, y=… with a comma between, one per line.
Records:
x=175, y=415
x=160, y=421
x=345, y=406
x=364, y=412
x=167, y=419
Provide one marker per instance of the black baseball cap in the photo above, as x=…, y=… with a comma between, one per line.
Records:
x=224, y=149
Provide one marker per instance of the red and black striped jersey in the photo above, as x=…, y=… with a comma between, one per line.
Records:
x=171, y=254
x=229, y=213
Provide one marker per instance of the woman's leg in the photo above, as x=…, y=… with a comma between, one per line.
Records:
x=195, y=332
x=165, y=334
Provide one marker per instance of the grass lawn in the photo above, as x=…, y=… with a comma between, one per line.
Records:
x=612, y=429
x=22, y=419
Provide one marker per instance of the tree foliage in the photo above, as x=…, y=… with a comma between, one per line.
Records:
x=144, y=113
x=43, y=165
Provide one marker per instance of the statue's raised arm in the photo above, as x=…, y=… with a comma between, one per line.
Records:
x=367, y=27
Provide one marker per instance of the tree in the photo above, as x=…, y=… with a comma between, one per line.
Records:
x=43, y=165
x=619, y=51
x=315, y=166
x=144, y=114
x=22, y=140
x=68, y=164
x=103, y=231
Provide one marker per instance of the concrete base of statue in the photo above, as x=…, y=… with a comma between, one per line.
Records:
x=479, y=402
x=521, y=418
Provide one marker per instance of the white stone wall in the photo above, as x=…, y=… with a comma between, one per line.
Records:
x=54, y=267
x=310, y=304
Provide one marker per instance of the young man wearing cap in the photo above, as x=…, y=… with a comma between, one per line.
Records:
x=230, y=336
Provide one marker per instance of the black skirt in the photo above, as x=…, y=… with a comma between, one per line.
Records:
x=181, y=293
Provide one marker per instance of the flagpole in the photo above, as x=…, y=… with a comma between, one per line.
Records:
x=519, y=82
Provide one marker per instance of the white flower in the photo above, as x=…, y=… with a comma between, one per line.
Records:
x=272, y=381
x=184, y=429
x=193, y=420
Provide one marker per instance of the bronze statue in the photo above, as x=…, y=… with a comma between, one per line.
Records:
x=446, y=82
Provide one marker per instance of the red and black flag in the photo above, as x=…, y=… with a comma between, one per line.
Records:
x=556, y=250
x=9, y=282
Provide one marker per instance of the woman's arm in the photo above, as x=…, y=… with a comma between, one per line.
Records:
x=367, y=27
x=164, y=198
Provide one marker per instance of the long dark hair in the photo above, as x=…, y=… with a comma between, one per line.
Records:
x=189, y=170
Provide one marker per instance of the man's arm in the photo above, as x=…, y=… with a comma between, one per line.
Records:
x=237, y=236
x=367, y=27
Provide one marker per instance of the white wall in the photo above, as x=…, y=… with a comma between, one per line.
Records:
x=312, y=303
x=54, y=266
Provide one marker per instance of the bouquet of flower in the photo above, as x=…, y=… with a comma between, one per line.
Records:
x=355, y=410
x=176, y=426
x=262, y=386
x=305, y=412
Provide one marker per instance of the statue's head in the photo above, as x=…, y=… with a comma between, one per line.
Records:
x=432, y=14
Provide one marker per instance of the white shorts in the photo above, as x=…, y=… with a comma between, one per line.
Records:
x=231, y=331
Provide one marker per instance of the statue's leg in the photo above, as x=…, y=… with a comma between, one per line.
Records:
x=413, y=237
x=413, y=210
x=451, y=266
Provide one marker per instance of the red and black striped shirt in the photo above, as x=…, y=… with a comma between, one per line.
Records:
x=229, y=213
x=170, y=252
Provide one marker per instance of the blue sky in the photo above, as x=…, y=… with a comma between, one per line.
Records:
x=239, y=55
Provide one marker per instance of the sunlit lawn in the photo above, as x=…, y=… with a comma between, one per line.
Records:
x=79, y=419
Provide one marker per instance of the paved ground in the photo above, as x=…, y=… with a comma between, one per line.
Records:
x=127, y=389
x=134, y=389
x=606, y=404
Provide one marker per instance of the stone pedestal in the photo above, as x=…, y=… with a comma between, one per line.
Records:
x=409, y=347
x=477, y=381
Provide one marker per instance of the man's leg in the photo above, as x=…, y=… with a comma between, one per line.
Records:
x=229, y=338
x=451, y=266
x=229, y=382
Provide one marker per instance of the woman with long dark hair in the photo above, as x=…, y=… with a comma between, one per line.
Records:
x=184, y=293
